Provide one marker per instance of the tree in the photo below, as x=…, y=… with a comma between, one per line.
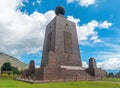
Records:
x=110, y=75
x=117, y=75
x=15, y=70
x=6, y=67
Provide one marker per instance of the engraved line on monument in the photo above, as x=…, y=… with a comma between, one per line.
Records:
x=49, y=42
x=67, y=42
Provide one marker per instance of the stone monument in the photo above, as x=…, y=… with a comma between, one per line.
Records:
x=61, y=59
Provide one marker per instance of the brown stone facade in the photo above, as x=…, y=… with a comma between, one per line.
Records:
x=61, y=59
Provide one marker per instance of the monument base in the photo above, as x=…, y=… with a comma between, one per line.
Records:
x=65, y=73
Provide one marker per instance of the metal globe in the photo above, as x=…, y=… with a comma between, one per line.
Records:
x=59, y=10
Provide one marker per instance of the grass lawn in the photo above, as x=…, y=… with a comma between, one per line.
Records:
x=10, y=83
x=112, y=79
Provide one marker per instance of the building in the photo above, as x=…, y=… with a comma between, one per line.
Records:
x=61, y=59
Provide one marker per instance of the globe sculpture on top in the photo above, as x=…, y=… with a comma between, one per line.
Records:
x=59, y=10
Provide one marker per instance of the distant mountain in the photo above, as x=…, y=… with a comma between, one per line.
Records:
x=14, y=61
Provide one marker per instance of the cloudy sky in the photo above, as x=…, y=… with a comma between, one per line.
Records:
x=23, y=22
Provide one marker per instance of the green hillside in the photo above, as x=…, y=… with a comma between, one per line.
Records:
x=14, y=61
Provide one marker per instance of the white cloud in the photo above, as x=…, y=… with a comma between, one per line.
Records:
x=110, y=50
x=95, y=39
x=38, y=1
x=85, y=30
x=105, y=24
x=107, y=64
x=85, y=3
x=71, y=18
x=70, y=1
x=113, y=46
x=20, y=32
x=110, y=58
x=88, y=30
x=84, y=64
x=104, y=55
x=110, y=64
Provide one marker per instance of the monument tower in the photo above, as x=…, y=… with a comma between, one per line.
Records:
x=61, y=55
x=61, y=41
